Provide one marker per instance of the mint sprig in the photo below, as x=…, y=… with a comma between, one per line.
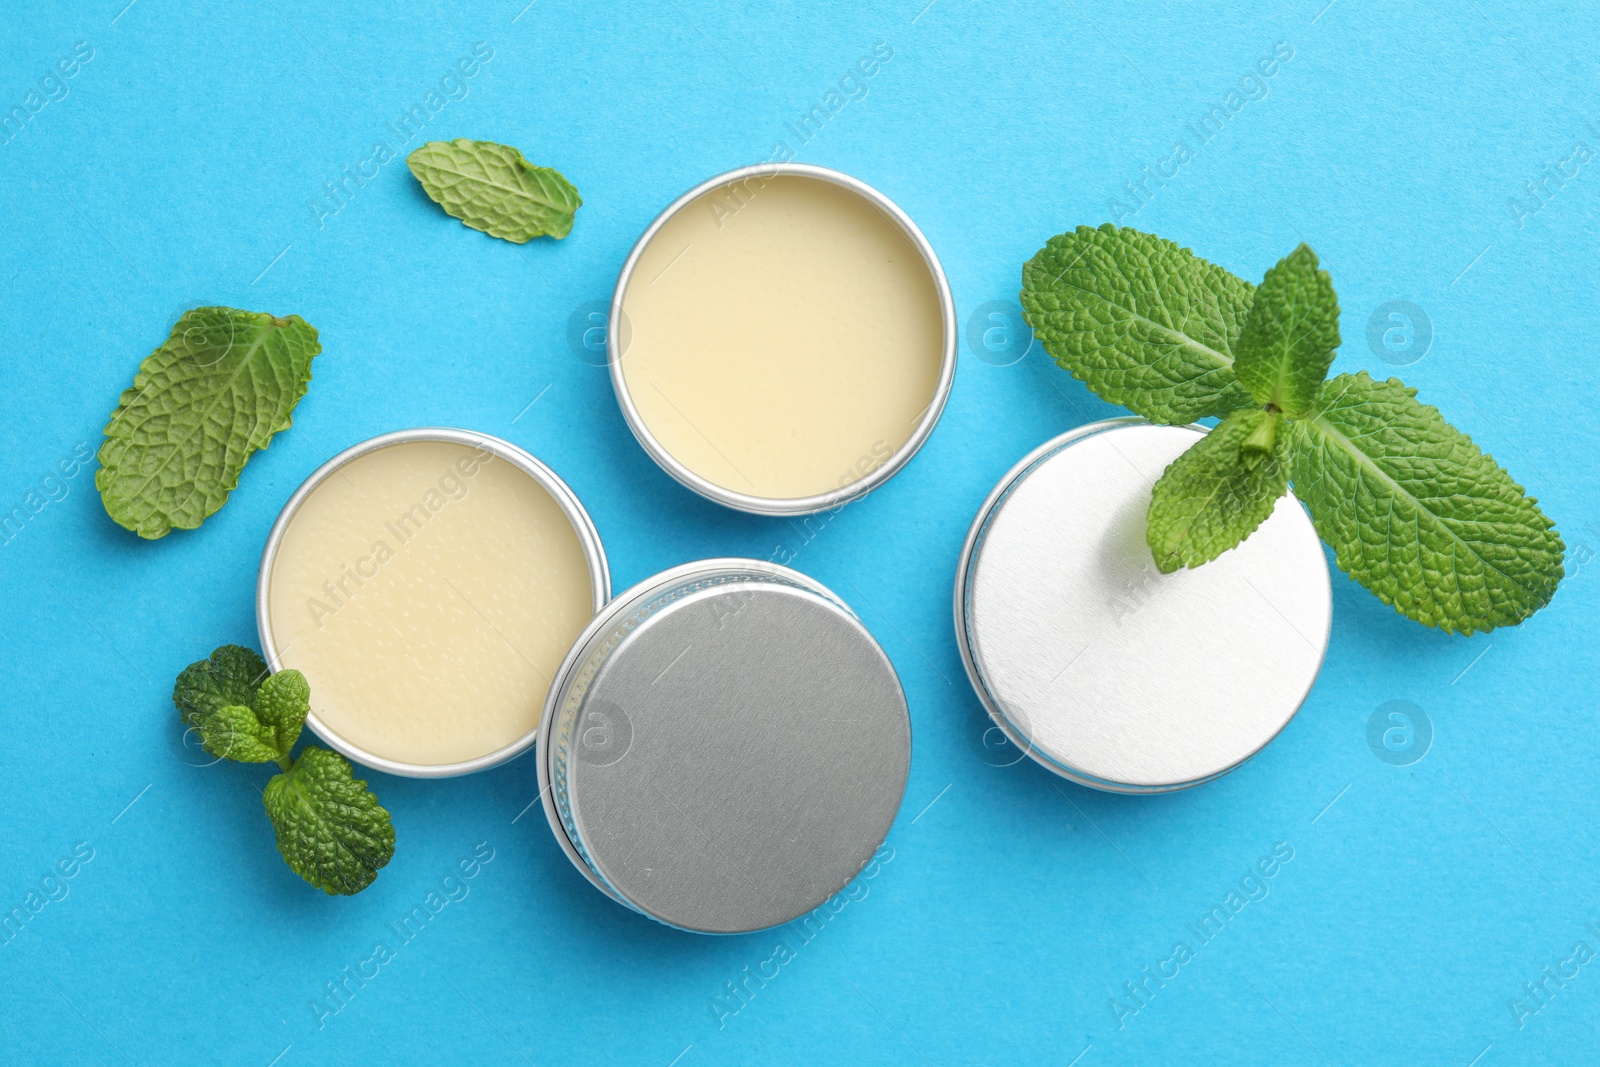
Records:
x=1412, y=508
x=216, y=390
x=331, y=830
x=490, y=187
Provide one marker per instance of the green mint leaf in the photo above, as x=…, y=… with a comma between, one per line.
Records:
x=201, y=404
x=1143, y=322
x=490, y=187
x=1290, y=335
x=1417, y=514
x=282, y=706
x=231, y=676
x=1215, y=495
x=235, y=733
x=331, y=829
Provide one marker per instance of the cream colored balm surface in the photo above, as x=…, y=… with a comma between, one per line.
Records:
x=428, y=591
x=786, y=337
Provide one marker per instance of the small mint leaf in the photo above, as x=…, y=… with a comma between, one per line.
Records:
x=231, y=676
x=1143, y=322
x=331, y=829
x=282, y=706
x=1290, y=335
x=235, y=733
x=200, y=406
x=490, y=187
x=1417, y=513
x=1215, y=495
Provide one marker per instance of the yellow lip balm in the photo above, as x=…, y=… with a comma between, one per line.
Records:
x=428, y=590
x=786, y=337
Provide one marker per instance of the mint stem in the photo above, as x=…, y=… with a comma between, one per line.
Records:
x=1265, y=436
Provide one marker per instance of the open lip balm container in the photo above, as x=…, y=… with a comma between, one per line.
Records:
x=782, y=339
x=428, y=583
x=1100, y=667
x=725, y=747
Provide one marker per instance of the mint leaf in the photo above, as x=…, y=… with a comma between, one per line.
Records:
x=282, y=705
x=1215, y=495
x=235, y=733
x=231, y=676
x=1417, y=514
x=331, y=829
x=201, y=404
x=490, y=187
x=1143, y=322
x=1290, y=335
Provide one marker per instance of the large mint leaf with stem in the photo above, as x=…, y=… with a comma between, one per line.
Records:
x=1215, y=495
x=331, y=829
x=1290, y=335
x=200, y=406
x=490, y=187
x=1143, y=322
x=1417, y=513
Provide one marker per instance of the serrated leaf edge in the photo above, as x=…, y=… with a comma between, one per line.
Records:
x=141, y=382
x=1448, y=625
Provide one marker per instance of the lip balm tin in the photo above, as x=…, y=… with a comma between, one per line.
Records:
x=724, y=748
x=548, y=480
x=1101, y=668
x=762, y=505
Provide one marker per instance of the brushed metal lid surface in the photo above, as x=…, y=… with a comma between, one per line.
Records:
x=1102, y=668
x=729, y=747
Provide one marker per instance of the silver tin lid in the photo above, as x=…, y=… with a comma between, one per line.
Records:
x=618, y=329
x=1105, y=670
x=594, y=555
x=725, y=747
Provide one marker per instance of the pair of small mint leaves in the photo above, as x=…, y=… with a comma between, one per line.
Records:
x=226, y=380
x=1413, y=509
x=331, y=829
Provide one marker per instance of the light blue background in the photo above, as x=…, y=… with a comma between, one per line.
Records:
x=177, y=172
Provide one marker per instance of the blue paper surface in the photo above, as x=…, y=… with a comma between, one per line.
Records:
x=223, y=153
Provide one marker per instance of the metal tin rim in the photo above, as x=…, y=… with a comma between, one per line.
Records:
x=588, y=537
x=964, y=565
x=759, y=505
x=584, y=646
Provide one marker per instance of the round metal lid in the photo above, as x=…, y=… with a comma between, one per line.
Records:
x=727, y=746
x=1102, y=668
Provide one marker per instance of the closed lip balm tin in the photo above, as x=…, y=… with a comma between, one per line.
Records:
x=1103, y=669
x=724, y=748
x=746, y=183
x=546, y=479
